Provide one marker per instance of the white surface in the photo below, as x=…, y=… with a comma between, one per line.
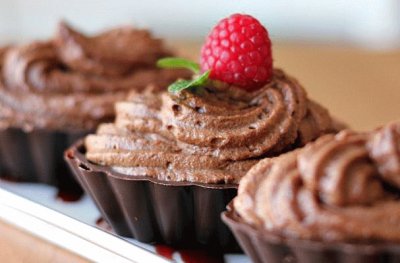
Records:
x=70, y=233
x=72, y=225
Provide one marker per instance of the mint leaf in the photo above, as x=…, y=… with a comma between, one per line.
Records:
x=201, y=80
x=179, y=85
x=185, y=84
x=172, y=62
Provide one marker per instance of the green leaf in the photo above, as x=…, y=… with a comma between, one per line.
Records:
x=172, y=62
x=201, y=80
x=179, y=85
x=185, y=84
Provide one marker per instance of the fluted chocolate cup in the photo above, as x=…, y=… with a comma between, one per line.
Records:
x=180, y=214
x=36, y=156
x=335, y=200
x=53, y=92
x=268, y=247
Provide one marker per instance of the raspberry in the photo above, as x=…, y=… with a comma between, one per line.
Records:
x=238, y=51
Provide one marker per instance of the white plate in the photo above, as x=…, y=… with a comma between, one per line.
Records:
x=72, y=225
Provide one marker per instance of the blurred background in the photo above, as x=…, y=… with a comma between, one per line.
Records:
x=372, y=24
x=345, y=53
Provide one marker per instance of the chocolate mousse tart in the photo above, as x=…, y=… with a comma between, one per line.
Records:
x=56, y=91
x=164, y=170
x=336, y=200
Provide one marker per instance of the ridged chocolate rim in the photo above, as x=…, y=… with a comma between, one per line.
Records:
x=264, y=246
x=180, y=214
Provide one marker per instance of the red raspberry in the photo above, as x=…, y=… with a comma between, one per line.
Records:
x=238, y=51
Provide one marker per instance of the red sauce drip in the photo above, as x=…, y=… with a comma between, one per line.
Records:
x=190, y=255
x=165, y=251
x=101, y=223
x=200, y=256
x=71, y=192
x=10, y=179
x=68, y=189
x=69, y=195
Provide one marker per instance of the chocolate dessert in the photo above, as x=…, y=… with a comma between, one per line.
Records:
x=53, y=92
x=213, y=137
x=336, y=199
x=178, y=156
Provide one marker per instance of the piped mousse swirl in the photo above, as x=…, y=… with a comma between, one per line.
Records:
x=342, y=187
x=72, y=81
x=211, y=135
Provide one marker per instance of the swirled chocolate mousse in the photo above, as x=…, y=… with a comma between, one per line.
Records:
x=342, y=187
x=71, y=82
x=212, y=134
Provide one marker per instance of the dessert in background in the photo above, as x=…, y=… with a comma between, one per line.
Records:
x=54, y=91
x=338, y=194
x=171, y=161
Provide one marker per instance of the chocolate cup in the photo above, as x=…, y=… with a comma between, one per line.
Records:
x=264, y=246
x=37, y=156
x=179, y=214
